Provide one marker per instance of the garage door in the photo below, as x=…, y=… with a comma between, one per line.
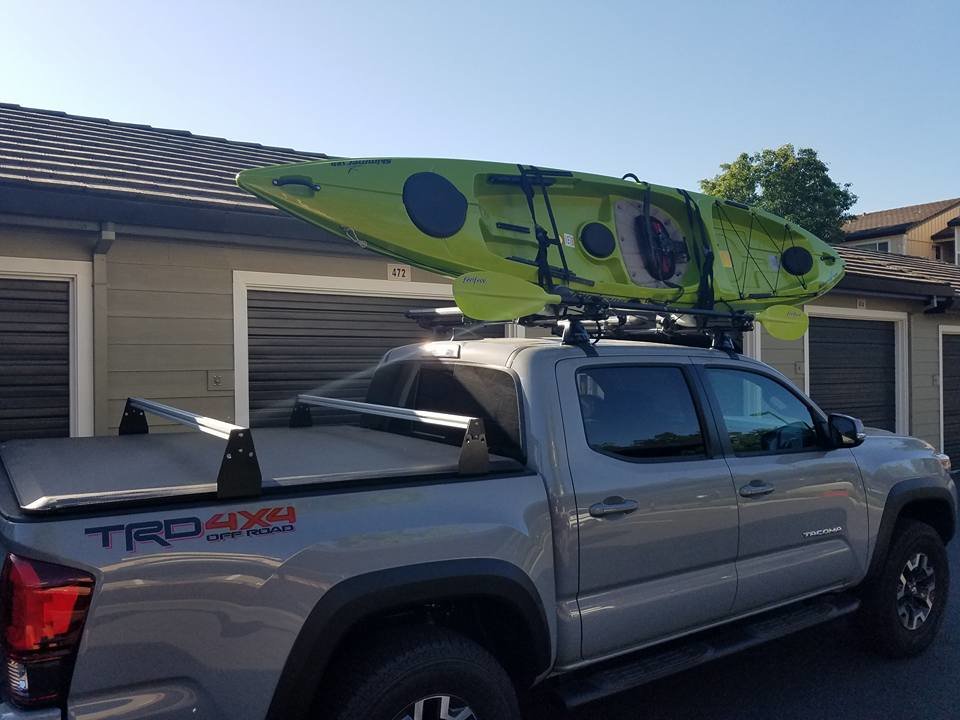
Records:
x=852, y=367
x=34, y=359
x=322, y=345
x=950, y=384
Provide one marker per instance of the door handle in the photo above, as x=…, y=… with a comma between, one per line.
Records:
x=615, y=505
x=757, y=488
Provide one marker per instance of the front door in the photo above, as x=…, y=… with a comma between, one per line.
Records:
x=803, y=517
x=657, y=511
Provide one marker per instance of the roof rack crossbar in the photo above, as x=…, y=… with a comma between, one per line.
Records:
x=239, y=474
x=474, y=456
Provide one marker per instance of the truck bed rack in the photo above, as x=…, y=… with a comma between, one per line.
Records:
x=239, y=474
x=474, y=456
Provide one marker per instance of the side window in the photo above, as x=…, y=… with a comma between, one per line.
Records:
x=761, y=415
x=639, y=413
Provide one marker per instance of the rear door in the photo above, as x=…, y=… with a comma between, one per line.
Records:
x=656, y=508
x=803, y=518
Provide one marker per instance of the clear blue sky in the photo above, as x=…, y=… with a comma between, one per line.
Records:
x=667, y=90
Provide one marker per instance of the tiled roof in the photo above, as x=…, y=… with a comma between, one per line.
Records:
x=889, y=266
x=897, y=219
x=53, y=150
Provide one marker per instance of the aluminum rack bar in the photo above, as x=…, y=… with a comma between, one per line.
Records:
x=474, y=457
x=211, y=426
x=239, y=474
x=461, y=422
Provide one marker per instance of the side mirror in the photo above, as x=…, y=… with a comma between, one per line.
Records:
x=846, y=431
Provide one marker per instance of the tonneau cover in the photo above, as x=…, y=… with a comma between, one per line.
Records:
x=52, y=474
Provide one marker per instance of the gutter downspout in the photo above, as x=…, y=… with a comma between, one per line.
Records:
x=101, y=337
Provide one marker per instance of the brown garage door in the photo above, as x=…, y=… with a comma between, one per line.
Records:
x=853, y=369
x=34, y=358
x=322, y=345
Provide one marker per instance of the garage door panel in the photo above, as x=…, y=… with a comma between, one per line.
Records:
x=323, y=344
x=950, y=386
x=852, y=367
x=34, y=358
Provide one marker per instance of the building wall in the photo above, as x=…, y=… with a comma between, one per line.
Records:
x=896, y=243
x=170, y=309
x=52, y=244
x=918, y=238
x=923, y=357
x=163, y=311
x=164, y=319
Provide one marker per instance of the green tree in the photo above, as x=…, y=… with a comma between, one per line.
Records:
x=791, y=183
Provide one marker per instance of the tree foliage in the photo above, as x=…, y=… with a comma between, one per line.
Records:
x=791, y=183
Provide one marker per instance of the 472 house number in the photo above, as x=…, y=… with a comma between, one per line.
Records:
x=398, y=272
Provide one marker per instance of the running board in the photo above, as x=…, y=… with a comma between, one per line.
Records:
x=657, y=662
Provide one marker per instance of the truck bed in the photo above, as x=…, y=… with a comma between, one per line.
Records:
x=54, y=474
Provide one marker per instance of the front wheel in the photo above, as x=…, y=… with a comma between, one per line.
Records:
x=904, y=604
x=423, y=673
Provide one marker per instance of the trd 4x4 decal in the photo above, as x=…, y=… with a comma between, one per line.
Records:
x=217, y=528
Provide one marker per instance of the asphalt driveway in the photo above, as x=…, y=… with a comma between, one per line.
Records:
x=820, y=673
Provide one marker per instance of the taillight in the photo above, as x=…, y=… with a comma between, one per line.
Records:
x=42, y=610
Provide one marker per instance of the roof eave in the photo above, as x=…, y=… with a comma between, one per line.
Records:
x=877, y=232
x=128, y=209
x=912, y=289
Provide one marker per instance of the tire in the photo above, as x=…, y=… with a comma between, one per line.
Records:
x=421, y=665
x=916, y=567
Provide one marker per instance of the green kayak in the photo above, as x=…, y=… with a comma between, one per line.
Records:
x=593, y=234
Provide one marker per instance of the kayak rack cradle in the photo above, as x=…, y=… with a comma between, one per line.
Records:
x=474, y=455
x=239, y=474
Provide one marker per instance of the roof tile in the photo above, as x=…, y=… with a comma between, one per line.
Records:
x=895, y=217
x=51, y=148
x=871, y=263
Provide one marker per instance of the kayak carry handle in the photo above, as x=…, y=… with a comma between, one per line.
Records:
x=296, y=180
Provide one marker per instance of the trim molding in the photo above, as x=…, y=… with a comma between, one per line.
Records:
x=245, y=280
x=943, y=330
x=901, y=351
x=752, y=343
x=79, y=274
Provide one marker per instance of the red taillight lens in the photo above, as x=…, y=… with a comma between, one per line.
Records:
x=42, y=609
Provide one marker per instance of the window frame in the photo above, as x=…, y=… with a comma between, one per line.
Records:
x=816, y=414
x=711, y=440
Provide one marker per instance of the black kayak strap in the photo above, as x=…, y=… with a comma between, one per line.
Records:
x=705, y=296
x=534, y=177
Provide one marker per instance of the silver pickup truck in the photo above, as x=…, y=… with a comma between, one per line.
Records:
x=503, y=514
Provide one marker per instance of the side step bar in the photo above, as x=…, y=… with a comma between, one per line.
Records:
x=654, y=663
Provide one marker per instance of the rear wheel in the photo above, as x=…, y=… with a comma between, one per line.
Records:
x=904, y=604
x=423, y=673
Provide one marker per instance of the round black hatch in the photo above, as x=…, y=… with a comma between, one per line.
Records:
x=597, y=240
x=797, y=261
x=434, y=204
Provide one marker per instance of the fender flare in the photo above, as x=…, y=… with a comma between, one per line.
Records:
x=902, y=494
x=354, y=599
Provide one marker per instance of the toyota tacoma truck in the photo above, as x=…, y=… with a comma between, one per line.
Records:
x=498, y=515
